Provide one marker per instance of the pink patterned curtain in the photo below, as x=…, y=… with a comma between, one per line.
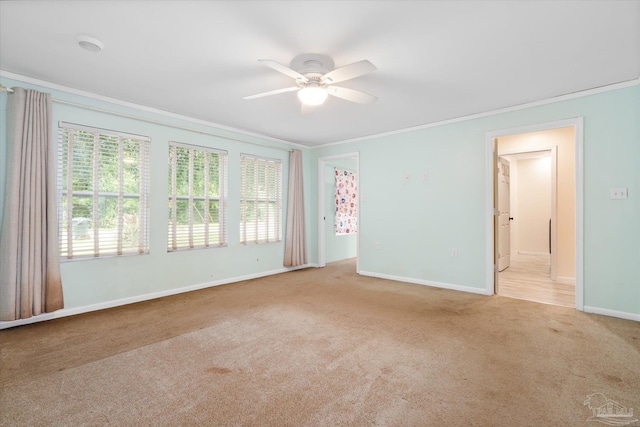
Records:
x=346, y=202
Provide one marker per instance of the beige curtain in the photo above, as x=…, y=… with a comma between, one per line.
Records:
x=30, y=282
x=295, y=248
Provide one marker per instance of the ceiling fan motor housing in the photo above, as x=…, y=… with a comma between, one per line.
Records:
x=312, y=63
x=314, y=80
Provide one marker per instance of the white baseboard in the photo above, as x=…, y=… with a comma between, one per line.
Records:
x=431, y=283
x=612, y=313
x=130, y=300
x=587, y=309
x=139, y=298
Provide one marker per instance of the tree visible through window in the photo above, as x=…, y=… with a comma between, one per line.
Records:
x=103, y=192
x=260, y=200
x=197, y=197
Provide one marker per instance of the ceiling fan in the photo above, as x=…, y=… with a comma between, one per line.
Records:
x=314, y=76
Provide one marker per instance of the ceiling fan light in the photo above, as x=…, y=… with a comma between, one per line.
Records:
x=312, y=95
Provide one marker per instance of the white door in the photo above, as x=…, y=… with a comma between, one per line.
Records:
x=504, y=230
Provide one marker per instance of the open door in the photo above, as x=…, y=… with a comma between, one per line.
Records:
x=326, y=208
x=504, y=215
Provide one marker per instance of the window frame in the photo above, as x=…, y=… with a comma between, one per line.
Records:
x=66, y=233
x=173, y=197
x=274, y=200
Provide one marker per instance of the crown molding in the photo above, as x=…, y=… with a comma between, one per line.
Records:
x=115, y=101
x=574, y=95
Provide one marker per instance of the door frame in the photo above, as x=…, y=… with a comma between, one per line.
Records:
x=490, y=218
x=322, y=162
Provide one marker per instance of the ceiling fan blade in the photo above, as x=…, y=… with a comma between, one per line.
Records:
x=351, y=95
x=347, y=72
x=273, y=92
x=284, y=70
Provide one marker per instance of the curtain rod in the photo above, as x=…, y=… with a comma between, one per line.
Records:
x=157, y=122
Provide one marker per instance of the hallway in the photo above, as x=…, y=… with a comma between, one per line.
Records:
x=528, y=278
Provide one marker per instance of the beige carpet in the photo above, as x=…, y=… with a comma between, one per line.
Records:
x=319, y=347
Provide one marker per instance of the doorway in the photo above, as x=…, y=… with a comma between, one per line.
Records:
x=527, y=225
x=536, y=240
x=527, y=202
x=338, y=241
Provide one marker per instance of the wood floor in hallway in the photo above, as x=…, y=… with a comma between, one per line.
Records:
x=528, y=277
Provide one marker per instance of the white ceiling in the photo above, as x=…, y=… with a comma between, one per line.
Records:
x=436, y=60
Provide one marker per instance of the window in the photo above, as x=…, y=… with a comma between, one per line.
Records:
x=197, y=197
x=103, y=192
x=260, y=200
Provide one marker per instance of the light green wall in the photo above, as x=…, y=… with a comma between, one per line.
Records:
x=336, y=247
x=418, y=222
x=97, y=281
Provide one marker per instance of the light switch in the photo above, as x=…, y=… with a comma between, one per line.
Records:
x=618, y=193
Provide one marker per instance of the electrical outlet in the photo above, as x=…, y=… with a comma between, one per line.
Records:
x=618, y=193
x=454, y=252
x=425, y=177
x=376, y=245
x=407, y=177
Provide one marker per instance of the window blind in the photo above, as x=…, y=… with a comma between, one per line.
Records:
x=103, y=192
x=260, y=199
x=197, y=197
